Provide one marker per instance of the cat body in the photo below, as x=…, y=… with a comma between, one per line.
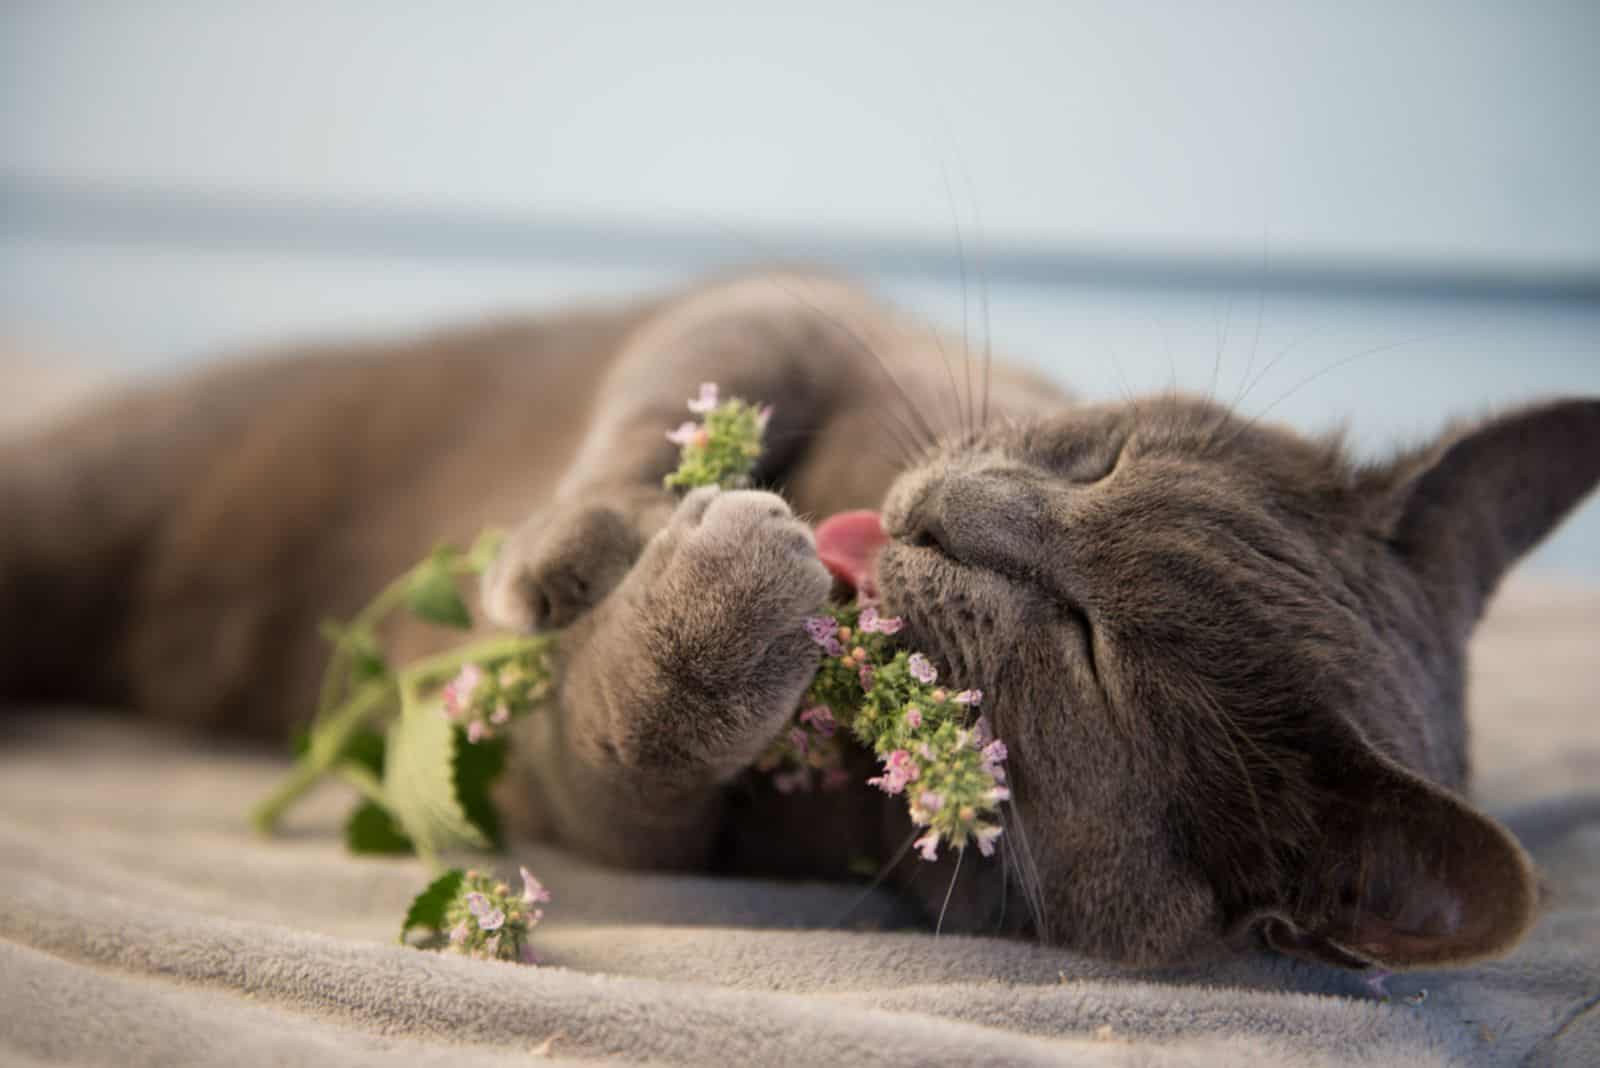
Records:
x=1228, y=661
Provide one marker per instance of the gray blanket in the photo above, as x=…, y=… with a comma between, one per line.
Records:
x=141, y=923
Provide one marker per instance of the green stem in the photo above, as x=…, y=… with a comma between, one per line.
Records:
x=443, y=665
x=363, y=780
x=329, y=739
x=338, y=669
x=388, y=599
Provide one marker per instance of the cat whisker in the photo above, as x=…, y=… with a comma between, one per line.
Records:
x=877, y=880
x=983, y=287
x=1329, y=369
x=954, y=875
x=961, y=258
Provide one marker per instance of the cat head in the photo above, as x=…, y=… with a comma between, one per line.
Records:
x=1229, y=662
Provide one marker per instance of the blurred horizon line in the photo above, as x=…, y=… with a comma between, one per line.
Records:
x=127, y=212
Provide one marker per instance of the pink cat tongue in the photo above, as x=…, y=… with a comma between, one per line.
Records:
x=848, y=543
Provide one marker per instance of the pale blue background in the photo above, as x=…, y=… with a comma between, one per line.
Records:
x=1396, y=203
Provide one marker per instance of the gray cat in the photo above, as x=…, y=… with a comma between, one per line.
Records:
x=1228, y=660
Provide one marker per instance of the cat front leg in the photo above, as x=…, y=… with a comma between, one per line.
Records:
x=796, y=343
x=680, y=679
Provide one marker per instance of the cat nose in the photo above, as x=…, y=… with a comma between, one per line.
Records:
x=977, y=517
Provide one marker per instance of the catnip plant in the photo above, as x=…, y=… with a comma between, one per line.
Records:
x=423, y=744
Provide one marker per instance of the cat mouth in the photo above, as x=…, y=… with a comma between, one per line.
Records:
x=848, y=545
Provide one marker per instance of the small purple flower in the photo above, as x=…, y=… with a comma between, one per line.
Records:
x=825, y=632
x=459, y=934
x=931, y=801
x=913, y=717
x=986, y=836
x=491, y=947
x=968, y=697
x=685, y=433
x=797, y=738
x=533, y=890
x=820, y=719
x=866, y=674
x=707, y=399
x=873, y=622
x=995, y=752
x=922, y=669
x=489, y=918
x=982, y=732
x=928, y=845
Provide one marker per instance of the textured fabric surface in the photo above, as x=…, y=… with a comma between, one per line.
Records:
x=141, y=923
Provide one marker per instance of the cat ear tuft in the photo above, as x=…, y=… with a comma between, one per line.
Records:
x=1405, y=874
x=1466, y=509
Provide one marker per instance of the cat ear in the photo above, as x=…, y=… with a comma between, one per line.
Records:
x=1405, y=874
x=1469, y=506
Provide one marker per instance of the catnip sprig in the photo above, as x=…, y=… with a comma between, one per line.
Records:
x=951, y=772
x=723, y=448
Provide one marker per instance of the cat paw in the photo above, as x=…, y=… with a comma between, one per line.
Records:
x=736, y=571
x=559, y=564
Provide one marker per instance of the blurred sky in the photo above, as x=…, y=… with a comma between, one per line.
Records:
x=1389, y=209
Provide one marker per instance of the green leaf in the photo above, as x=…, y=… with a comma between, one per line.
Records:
x=485, y=549
x=371, y=829
x=366, y=748
x=478, y=764
x=301, y=742
x=428, y=908
x=432, y=594
x=419, y=780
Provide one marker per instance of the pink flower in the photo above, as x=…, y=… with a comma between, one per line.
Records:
x=921, y=669
x=533, y=890
x=928, y=845
x=459, y=933
x=930, y=801
x=764, y=416
x=866, y=674
x=500, y=715
x=968, y=697
x=898, y=769
x=986, y=836
x=913, y=717
x=684, y=434
x=999, y=794
x=820, y=719
x=995, y=752
x=797, y=738
x=874, y=623
x=477, y=731
x=458, y=691
x=707, y=399
x=489, y=918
